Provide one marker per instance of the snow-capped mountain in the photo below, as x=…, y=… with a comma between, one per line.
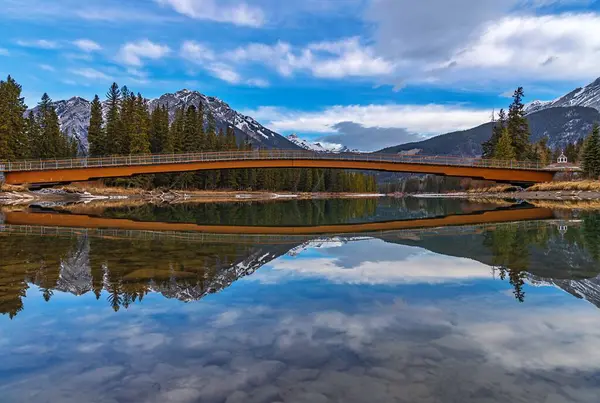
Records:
x=588, y=96
x=74, y=116
x=319, y=147
x=246, y=128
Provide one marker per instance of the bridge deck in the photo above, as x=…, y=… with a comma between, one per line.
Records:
x=82, y=169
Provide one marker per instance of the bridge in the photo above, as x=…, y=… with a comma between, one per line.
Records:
x=48, y=172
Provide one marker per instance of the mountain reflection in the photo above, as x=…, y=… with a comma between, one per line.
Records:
x=124, y=271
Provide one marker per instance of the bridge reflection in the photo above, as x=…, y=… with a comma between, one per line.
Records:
x=47, y=223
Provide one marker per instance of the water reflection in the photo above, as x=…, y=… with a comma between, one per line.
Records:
x=541, y=252
x=418, y=315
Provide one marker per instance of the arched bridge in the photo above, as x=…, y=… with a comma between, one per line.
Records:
x=44, y=172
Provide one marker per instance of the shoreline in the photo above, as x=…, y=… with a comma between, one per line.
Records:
x=84, y=195
x=547, y=195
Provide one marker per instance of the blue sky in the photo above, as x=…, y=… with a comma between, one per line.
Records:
x=333, y=70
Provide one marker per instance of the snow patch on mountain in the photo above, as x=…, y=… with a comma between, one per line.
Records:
x=320, y=147
x=588, y=96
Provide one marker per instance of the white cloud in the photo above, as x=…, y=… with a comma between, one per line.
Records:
x=527, y=341
x=39, y=43
x=224, y=72
x=333, y=59
x=133, y=53
x=4, y=52
x=91, y=74
x=551, y=47
x=196, y=52
x=87, y=45
x=47, y=67
x=425, y=119
x=257, y=82
x=470, y=42
x=427, y=268
x=239, y=14
x=203, y=56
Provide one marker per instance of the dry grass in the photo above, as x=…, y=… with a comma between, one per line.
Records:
x=494, y=189
x=567, y=204
x=101, y=190
x=491, y=200
x=13, y=188
x=588, y=185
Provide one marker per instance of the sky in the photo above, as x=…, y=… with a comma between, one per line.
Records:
x=363, y=73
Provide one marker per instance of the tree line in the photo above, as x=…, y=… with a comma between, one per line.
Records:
x=125, y=125
x=33, y=135
x=510, y=140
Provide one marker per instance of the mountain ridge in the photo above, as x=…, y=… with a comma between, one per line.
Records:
x=564, y=120
x=588, y=96
x=74, y=116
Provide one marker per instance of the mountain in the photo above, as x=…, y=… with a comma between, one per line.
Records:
x=74, y=116
x=588, y=96
x=319, y=147
x=562, y=125
x=246, y=128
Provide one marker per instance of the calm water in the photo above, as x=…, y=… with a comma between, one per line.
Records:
x=485, y=312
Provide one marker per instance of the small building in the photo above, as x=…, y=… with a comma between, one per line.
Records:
x=562, y=159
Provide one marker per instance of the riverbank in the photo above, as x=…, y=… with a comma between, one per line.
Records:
x=552, y=191
x=15, y=195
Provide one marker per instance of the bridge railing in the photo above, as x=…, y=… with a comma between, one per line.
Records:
x=157, y=159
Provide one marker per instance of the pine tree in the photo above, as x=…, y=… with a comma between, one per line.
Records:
x=230, y=140
x=52, y=140
x=96, y=134
x=113, y=125
x=489, y=147
x=127, y=122
x=190, y=131
x=518, y=127
x=504, y=148
x=34, y=135
x=159, y=131
x=13, y=142
x=139, y=138
x=591, y=154
x=543, y=153
x=176, y=131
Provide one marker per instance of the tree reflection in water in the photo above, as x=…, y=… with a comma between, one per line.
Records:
x=127, y=270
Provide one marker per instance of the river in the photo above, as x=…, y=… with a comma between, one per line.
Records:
x=366, y=300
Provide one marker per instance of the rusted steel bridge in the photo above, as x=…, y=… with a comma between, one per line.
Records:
x=47, y=172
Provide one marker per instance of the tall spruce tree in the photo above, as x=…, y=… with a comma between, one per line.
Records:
x=49, y=129
x=13, y=142
x=159, y=131
x=518, y=127
x=96, y=133
x=591, y=154
x=504, y=149
x=489, y=147
x=113, y=125
x=127, y=121
x=34, y=135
